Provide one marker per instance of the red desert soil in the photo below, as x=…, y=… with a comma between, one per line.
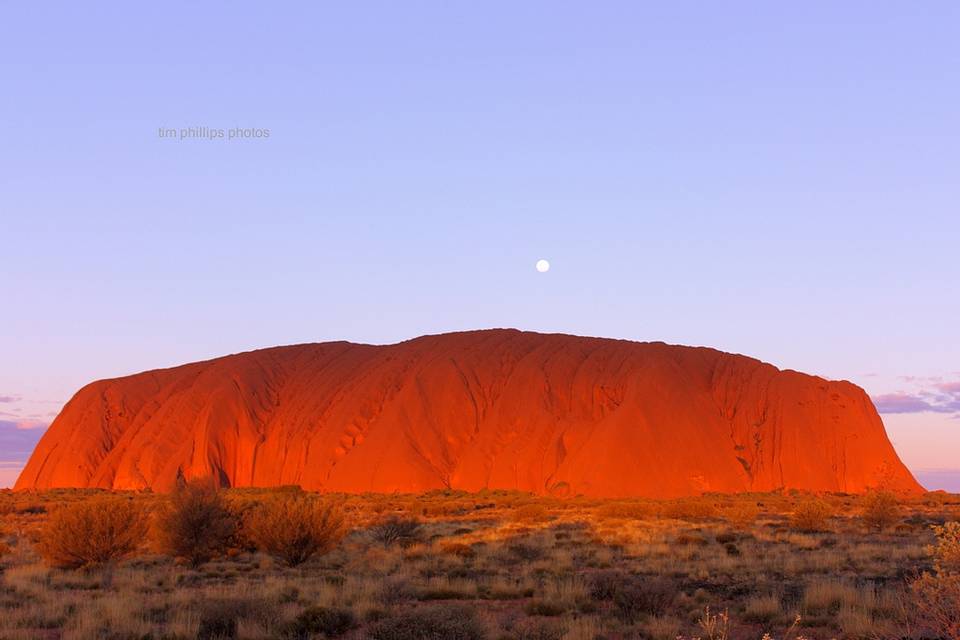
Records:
x=498, y=409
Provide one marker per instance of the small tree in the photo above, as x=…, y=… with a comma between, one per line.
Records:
x=937, y=595
x=92, y=532
x=195, y=523
x=295, y=528
x=880, y=510
x=396, y=530
x=811, y=515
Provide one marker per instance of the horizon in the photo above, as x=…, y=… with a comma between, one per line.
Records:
x=695, y=175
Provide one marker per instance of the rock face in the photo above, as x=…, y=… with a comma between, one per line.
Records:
x=499, y=409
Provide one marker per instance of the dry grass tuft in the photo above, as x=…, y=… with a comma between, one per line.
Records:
x=396, y=530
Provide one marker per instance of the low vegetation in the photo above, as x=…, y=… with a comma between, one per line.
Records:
x=194, y=523
x=90, y=533
x=295, y=527
x=284, y=564
x=396, y=530
x=812, y=516
x=880, y=510
x=938, y=592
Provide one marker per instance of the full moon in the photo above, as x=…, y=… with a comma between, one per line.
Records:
x=543, y=266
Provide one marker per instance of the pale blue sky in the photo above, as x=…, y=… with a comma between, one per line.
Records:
x=775, y=180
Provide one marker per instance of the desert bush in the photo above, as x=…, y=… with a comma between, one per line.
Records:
x=295, y=528
x=547, y=608
x=726, y=537
x=662, y=628
x=217, y=622
x=946, y=553
x=459, y=549
x=241, y=507
x=690, y=509
x=603, y=585
x=530, y=513
x=625, y=510
x=194, y=523
x=526, y=551
x=4, y=547
x=880, y=510
x=92, y=532
x=762, y=609
x=695, y=539
x=811, y=515
x=742, y=514
x=937, y=594
x=433, y=623
x=323, y=621
x=219, y=618
x=394, y=590
x=936, y=597
x=396, y=530
x=539, y=630
x=641, y=597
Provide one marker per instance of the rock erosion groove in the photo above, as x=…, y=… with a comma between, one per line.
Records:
x=497, y=409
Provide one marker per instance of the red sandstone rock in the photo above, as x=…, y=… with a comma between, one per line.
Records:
x=498, y=409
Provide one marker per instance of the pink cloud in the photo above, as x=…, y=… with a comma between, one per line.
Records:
x=30, y=423
x=952, y=388
x=9, y=399
x=903, y=403
x=936, y=396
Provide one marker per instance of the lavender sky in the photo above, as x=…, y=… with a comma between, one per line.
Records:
x=774, y=179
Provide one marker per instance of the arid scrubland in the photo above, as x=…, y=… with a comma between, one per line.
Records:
x=260, y=564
